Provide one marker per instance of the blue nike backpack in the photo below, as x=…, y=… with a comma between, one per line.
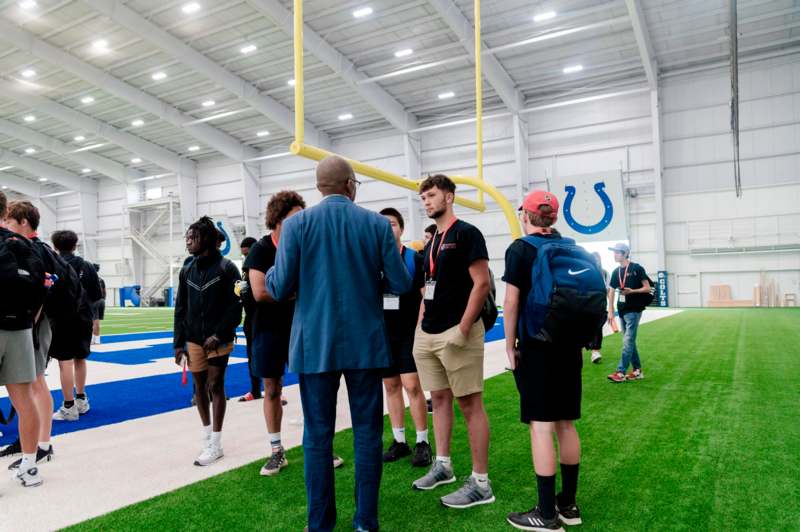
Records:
x=567, y=302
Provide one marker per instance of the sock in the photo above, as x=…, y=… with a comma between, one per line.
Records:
x=445, y=460
x=207, y=432
x=275, y=440
x=482, y=479
x=547, y=495
x=569, y=483
x=422, y=436
x=44, y=445
x=399, y=434
x=216, y=439
x=80, y=396
x=69, y=404
x=28, y=461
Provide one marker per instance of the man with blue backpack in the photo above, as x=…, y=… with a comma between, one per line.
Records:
x=555, y=300
x=401, y=313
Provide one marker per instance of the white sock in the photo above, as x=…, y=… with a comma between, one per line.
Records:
x=28, y=461
x=216, y=439
x=481, y=478
x=445, y=460
x=44, y=445
x=207, y=432
x=275, y=440
x=422, y=436
x=399, y=434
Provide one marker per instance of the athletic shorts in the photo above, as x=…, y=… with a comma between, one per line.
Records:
x=17, y=358
x=199, y=360
x=548, y=379
x=450, y=361
x=402, y=353
x=99, y=309
x=270, y=353
x=45, y=336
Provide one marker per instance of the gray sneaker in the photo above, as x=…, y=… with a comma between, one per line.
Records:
x=435, y=477
x=469, y=495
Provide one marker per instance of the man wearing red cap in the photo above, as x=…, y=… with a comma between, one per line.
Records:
x=548, y=377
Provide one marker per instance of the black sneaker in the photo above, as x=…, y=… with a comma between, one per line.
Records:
x=396, y=451
x=11, y=450
x=430, y=406
x=534, y=520
x=423, y=456
x=570, y=514
x=41, y=456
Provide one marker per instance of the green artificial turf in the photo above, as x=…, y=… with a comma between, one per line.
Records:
x=136, y=320
x=710, y=440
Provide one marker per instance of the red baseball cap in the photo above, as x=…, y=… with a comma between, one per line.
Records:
x=537, y=198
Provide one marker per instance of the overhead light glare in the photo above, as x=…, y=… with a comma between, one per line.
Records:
x=30, y=118
x=362, y=12
x=28, y=4
x=345, y=116
x=137, y=123
x=87, y=171
x=193, y=148
x=262, y=133
x=405, y=52
x=100, y=45
x=291, y=83
x=158, y=76
x=30, y=151
x=209, y=103
x=573, y=69
x=79, y=138
x=447, y=95
x=136, y=160
x=191, y=7
x=87, y=100
x=28, y=73
x=4, y=168
x=90, y=147
x=250, y=48
x=43, y=180
x=541, y=17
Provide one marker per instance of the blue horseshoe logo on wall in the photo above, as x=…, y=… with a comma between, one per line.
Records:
x=227, y=248
x=589, y=229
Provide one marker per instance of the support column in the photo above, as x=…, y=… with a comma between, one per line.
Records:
x=250, y=198
x=187, y=195
x=658, y=166
x=521, y=156
x=49, y=218
x=413, y=154
x=88, y=225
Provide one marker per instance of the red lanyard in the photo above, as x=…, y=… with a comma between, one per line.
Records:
x=622, y=278
x=431, y=261
x=274, y=240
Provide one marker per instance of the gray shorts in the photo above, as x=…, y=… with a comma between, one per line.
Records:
x=45, y=338
x=17, y=364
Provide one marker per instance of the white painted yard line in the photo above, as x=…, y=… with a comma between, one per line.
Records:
x=121, y=464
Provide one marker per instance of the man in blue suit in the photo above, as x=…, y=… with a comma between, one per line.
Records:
x=339, y=259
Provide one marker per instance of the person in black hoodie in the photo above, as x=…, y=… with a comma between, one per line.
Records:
x=72, y=348
x=207, y=313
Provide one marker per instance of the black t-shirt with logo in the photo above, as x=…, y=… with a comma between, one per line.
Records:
x=400, y=324
x=463, y=244
x=634, y=279
x=273, y=317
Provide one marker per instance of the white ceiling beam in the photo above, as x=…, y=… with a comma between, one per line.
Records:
x=240, y=87
x=211, y=136
x=143, y=148
x=383, y=102
x=52, y=173
x=19, y=185
x=97, y=163
x=492, y=69
x=642, y=35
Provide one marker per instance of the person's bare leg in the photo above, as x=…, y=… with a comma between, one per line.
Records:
x=418, y=406
x=21, y=396
x=44, y=405
x=66, y=370
x=394, y=401
x=273, y=410
x=569, y=444
x=201, y=396
x=216, y=385
x=478, y=426
x=442, y=420
x=96, y=328
x=80, y=375
x=542, y=448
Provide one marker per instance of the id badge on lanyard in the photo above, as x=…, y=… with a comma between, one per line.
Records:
x=430, y=289
x=430, y=284
x=622, y=280
x=391, y=302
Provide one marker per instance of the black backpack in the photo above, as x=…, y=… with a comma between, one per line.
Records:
x=489, y=311
x=64, y=297
x=22, y=278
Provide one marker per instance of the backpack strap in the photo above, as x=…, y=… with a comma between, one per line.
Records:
x=411, y=265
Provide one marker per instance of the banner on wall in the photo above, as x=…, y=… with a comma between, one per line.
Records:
x=662, y=299
x=592, y=206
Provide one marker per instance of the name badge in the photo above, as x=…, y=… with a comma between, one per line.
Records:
x=391, y=302
x=430, y=290
x=621, y=298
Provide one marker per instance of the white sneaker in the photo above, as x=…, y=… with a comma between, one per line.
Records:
x=29, y=478
x=83, y=405
x=66, y=414
x=596, y=357
x=338, y=462
x=96, y=340
x=210, y=454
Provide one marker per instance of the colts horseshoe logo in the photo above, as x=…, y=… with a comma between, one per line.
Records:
x=227, y=248
x=589, y=229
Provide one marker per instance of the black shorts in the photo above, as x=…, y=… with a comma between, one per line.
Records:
x=99, y=309
x=269, y=354
x=549, y=382
x=402, y=353
x=71, y=340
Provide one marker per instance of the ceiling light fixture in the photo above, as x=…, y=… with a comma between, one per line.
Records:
x=100, y=45
x=90, y=147
x=262, y=133
x=79, y=138
x=87, y=100
x=447, y=95
x=193, y=148
x=28, y=4
x=405, y=52
x=345, y=116
x=30, y=118
x=28, y=73
x=362, y=12
x=250, y=48
x=136, y=160
x=43, y=180
x=291, y=83
x=87, y=170
x=30, y=151
x=541, y=17
x=572, y=69
x=4, y=168
x=191, y=7
x=158, y=76
x=209, y=103
x=137, y=123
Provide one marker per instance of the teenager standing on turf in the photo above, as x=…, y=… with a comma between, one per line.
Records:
x=401, y=314
x=73, y=348
x=631, y=280
x=548, y=378
x=335, y=257
x=272, y=323
x=247, y=326
x=207, y=313
x=449, y=343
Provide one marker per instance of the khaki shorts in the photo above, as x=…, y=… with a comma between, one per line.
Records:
x=198, y=359
x=17, y=361
x=450, y=361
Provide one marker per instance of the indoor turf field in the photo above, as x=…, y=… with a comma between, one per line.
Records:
x=708, y=441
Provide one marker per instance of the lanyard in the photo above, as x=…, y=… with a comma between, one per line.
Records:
x=622, y=278
x=274, y=240
x=431, y=261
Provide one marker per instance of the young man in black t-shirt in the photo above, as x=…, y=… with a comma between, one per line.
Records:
x=548, y=378
x=448, y=347
x=634, y=288
x=401, y=314
x=249, y=311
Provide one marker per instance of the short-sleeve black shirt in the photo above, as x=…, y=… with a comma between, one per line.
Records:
x=519, y=264
x=634, y=279
x=463, y=244
x=273, y=317
x=400, y=324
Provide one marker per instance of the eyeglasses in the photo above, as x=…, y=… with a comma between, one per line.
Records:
x=356, y=181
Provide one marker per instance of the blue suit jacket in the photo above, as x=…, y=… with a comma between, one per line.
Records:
x=335, y=257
